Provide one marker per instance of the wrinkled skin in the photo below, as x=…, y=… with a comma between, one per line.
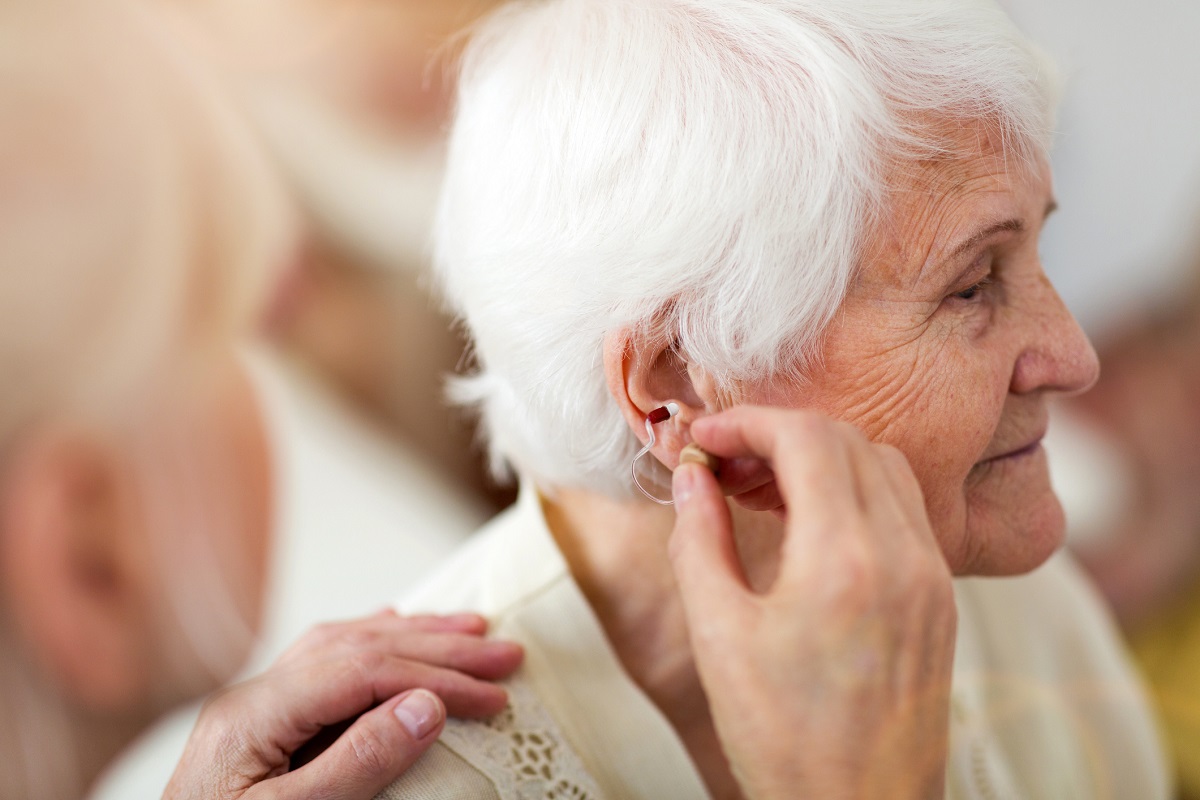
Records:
x=945, y=352
x=950, y=356
x=947, y=348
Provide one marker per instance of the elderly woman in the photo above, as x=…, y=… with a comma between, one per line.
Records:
x=660, y=213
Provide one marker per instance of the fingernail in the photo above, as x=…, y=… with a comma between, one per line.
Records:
x=504, y=646
x=683, y=482
x=419, y=713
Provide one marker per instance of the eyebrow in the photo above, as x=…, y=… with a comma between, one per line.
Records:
x=1009, y=225
x=1014, y=224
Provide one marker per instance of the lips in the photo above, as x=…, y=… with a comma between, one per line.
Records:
x=1030, y=445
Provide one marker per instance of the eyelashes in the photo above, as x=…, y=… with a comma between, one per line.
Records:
x=973, y=292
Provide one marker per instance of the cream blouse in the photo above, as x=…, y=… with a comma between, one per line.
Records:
x=1045, y=703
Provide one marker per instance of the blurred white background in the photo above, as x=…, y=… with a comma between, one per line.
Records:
x=1127, y=158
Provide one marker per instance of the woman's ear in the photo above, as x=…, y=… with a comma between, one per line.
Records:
x=645, y=371
x=70, y=562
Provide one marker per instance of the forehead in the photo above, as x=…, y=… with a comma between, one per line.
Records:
x=931, y=204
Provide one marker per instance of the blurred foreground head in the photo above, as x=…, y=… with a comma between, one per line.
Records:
x=139, y=224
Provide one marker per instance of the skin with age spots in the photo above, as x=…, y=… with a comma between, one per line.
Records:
x=948, y=346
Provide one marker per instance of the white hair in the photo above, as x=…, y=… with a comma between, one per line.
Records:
x=707, y=166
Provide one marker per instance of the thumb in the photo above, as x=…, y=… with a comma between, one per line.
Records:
x=373, y=752
x=702, y=549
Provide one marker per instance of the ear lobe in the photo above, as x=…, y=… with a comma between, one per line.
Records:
x=71, y=585
x=645, y=372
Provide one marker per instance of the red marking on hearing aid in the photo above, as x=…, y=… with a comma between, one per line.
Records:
x=658, y=415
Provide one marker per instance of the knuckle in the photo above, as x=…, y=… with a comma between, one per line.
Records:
x=218, y=704
x=892, y=458
x=464, y=651
x=371, y=751
x=225, y=708
x=357, y=638
x=810, y=424
x=324, y=630
x=900, y=468
x=366, y=663
x=321, y=634
x=929, y=579
x=848, y=433
x=941, y=589
x=854, y=580
x=804, y=431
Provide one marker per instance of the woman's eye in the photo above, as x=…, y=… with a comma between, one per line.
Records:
x=974, y=291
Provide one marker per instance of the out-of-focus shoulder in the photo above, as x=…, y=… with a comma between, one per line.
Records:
x=457, y=584
x=510, y=559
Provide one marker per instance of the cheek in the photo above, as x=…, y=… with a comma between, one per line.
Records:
x=938, y=400
x=947, y=429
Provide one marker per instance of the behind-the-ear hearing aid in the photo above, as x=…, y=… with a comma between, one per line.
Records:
x=690, y=454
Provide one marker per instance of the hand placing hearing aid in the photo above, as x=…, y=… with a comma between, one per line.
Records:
x=690, y=454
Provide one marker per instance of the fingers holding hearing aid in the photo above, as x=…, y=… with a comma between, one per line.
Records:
x=835, y=680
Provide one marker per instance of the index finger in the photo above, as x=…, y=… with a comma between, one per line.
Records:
x=290, y=706
x=702, y=551
x=324, y=637
x=812, y=467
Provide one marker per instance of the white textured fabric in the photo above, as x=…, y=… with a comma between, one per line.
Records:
x=441, y=775
x=1045, y=705
x=523, y=752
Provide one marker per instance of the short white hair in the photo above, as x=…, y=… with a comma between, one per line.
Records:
x=708, y=166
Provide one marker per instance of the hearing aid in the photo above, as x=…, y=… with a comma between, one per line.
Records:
x=690, y=454
x=695, y=454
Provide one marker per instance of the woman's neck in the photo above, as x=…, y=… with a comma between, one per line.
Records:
x=617, y=552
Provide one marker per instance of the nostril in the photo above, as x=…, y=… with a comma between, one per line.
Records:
x=1062, y=361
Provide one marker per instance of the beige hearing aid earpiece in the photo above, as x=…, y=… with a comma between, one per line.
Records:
x=694, y=454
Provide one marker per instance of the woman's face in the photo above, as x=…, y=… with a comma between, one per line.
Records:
x=949, y=345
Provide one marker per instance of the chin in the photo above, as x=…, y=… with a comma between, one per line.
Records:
x=1021, y=549
x=1012, y=533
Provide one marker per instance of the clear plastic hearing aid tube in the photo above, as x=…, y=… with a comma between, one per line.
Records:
x=660, y=414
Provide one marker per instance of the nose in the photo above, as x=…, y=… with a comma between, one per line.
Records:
x=1057, y=355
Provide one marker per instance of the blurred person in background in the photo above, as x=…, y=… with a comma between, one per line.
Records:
x=354, y=104
x=368, y=457
x=142, y=226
